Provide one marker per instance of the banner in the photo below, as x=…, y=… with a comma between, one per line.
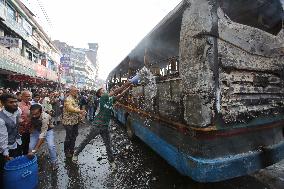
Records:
x=11, y=42
x=41, y=71
x=15, y=67
x=65, y=62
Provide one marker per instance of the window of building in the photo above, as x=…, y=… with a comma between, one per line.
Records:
x=29, y=55
x=27, y=27
x=35, y=58
x=20, y=19
x=11, y=13
x=50, y=65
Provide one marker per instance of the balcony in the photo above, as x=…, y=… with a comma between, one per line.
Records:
x=11, y=23
x=16, y=27
x=15, y=63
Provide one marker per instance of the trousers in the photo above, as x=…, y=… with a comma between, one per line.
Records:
x=34, y=137
x=95, y=131
x=70, y=138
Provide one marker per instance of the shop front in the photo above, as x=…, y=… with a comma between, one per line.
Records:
x=18, y=72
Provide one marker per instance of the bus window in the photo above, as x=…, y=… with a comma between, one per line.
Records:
x=266, y=15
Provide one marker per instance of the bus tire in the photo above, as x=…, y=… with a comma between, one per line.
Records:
x=129, y=129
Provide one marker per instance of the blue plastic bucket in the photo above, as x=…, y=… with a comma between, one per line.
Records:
x=21, y=173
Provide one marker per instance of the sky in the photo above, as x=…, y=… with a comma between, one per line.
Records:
x=117, y=26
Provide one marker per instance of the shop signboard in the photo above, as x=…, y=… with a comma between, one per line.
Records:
x=41, y=71
x=65, y=62
x=10, y=42
x=51, y=75
x=15, y=67
x=65, y=66
x=64, y=58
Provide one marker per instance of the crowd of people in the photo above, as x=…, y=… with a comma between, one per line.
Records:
x=28, y=118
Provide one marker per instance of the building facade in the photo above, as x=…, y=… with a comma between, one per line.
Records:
x=80, y=67
x=27, y=54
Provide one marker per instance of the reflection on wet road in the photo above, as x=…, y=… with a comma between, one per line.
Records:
x=137, y=167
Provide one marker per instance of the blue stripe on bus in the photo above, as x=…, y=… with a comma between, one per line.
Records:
x=209, y=170
x=120, y=115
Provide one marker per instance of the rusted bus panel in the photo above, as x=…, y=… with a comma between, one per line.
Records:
x=250, y=39
x=167, y=103
x=198, y=110
x=195, y=66
x=248, y=82
x=164, y=91
x=259, y=100
x=251, y=85
x=245, y=76
x=171, y=110
x=176, y=90
x=149, y=102
x=237, y=58
x=251, y=74
x=169, y=99
x=197, y=17
x=197, y=80
x=245, y=88
x=196, y=52
x=137, y=94
x=197, y=56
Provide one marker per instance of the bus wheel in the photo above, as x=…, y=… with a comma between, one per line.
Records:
x=129, y=129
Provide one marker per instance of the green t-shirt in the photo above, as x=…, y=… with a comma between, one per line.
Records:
x=105, y=112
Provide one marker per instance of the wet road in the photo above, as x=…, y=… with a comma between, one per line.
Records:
x=137, y=167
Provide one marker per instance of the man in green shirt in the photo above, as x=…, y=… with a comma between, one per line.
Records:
x=102, y=119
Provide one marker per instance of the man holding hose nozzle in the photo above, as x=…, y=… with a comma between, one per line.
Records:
x=102, y=119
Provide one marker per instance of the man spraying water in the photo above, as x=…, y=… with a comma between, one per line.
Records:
x=102, y=119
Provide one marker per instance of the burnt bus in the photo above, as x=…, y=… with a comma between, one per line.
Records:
x=218, y=108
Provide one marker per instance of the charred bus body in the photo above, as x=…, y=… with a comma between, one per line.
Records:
x=218, y=109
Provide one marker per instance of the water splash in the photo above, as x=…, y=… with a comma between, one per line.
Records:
x=147, y=122
x=147, y=78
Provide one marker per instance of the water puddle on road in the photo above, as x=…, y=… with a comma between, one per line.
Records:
x=91, y=171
